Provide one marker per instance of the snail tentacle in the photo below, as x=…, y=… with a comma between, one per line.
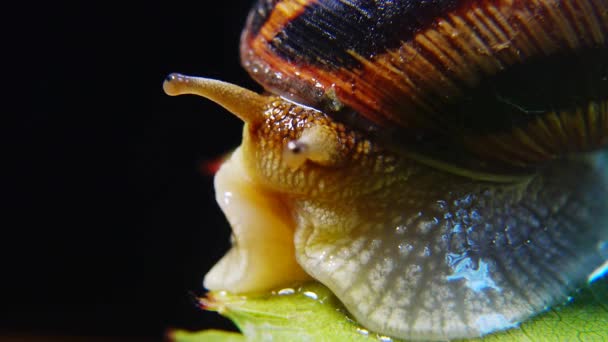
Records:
x=243, y=103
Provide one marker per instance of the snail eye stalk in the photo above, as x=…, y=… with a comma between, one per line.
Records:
x=243, y=103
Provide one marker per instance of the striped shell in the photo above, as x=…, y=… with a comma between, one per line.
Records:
x=491, y=85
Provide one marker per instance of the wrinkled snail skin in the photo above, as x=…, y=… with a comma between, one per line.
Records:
x=441, y=166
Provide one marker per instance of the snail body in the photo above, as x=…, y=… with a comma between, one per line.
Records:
x=402, y=168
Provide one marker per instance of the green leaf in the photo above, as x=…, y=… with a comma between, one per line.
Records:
x=312, y=313
x=207, y=336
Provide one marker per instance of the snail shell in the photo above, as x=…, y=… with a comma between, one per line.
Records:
x=467, y=82
x=439, y=165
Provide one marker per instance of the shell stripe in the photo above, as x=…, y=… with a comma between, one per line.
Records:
x=262, y=11
x=364, y=26
x=282, y=13
x=445, y=54
x=327, y=31
x=548, y=136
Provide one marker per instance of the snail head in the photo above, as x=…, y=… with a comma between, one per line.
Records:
x=290, y=154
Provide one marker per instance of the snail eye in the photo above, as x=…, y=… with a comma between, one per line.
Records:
x=296, y=147
x=295, y=154
x=318, y=144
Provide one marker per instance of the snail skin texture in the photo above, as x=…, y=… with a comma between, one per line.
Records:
x=439, y=165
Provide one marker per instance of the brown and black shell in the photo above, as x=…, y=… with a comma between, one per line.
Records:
x=514, y=82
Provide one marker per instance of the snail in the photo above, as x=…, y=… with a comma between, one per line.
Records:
x=439, y=165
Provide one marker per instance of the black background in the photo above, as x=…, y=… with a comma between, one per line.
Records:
x=109, y=223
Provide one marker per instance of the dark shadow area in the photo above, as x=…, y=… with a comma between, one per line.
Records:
x=110, y=223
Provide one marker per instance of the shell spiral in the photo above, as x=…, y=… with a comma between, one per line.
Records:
x=496, y=85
